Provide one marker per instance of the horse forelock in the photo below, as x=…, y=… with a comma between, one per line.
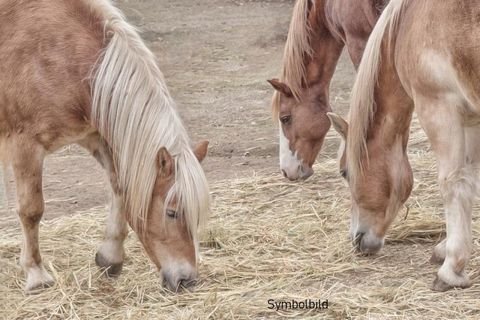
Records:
x=362, y=103
x=297, y=47
x=133, y=110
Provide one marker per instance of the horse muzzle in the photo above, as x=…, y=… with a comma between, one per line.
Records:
x=367, y=243
x=184, y=277
x=301, y=172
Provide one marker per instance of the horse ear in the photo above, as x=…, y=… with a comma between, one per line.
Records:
x=339, y=124
x=280, y=87
x=201, y=150
x=165, y=163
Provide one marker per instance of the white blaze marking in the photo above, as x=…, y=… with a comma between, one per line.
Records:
x=354, y=222
x=288, y=160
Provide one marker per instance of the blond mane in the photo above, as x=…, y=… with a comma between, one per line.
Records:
x=133, y=110
x=362, y=105
x=296, y=49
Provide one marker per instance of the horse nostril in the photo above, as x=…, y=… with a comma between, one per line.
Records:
x=284, y=173
x=307, y=173
x=188, y=283
x=184, y=278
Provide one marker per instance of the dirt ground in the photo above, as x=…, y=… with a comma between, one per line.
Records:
x=216, y=56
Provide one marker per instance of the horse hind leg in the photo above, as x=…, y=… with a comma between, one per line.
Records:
x=27, y=163
x=456, y=175
x=111, y=253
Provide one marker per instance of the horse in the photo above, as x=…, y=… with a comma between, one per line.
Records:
x=319, y=30
x=75, y=72
x=422, y=56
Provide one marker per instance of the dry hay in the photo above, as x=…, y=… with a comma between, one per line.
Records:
x=267, y=239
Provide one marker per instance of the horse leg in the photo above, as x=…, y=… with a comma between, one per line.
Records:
x=111, y=253
x=439, y=252
x=444, y=127
x=27, y=163
x=473, y=158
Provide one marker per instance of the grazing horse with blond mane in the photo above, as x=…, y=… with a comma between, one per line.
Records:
x=422, y=55
x=319, y=30
x=74, y=71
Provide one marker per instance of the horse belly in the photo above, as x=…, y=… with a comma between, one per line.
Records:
x=39, y=120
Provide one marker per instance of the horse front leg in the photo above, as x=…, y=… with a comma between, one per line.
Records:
x=472, y=151
x=457, y=179
x=439, y=252
x=111, y=253
x=27, y=163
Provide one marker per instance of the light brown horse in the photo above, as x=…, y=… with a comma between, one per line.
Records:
x=319, y=30
x=422, y=55
x=74, y=71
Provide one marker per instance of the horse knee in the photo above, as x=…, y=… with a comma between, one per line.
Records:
x=461, y=183
x=31, y=211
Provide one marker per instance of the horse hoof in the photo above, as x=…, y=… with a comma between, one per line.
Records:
x=436, y=259
x=111, y=269
x=38, y=287
x=38, y=280
x=441, y=286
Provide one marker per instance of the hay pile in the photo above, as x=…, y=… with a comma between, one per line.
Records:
x=267, y=239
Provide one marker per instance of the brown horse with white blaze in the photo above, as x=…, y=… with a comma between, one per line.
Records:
x=74, y=71
x=319, y=30
x=422, y=55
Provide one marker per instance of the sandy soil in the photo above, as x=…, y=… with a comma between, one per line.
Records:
x=216, y=56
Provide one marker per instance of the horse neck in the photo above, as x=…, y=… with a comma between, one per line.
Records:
x=352, y=21
x=326, y=49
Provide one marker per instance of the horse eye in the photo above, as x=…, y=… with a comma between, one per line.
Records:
x=171, y=213
x=286, y=119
